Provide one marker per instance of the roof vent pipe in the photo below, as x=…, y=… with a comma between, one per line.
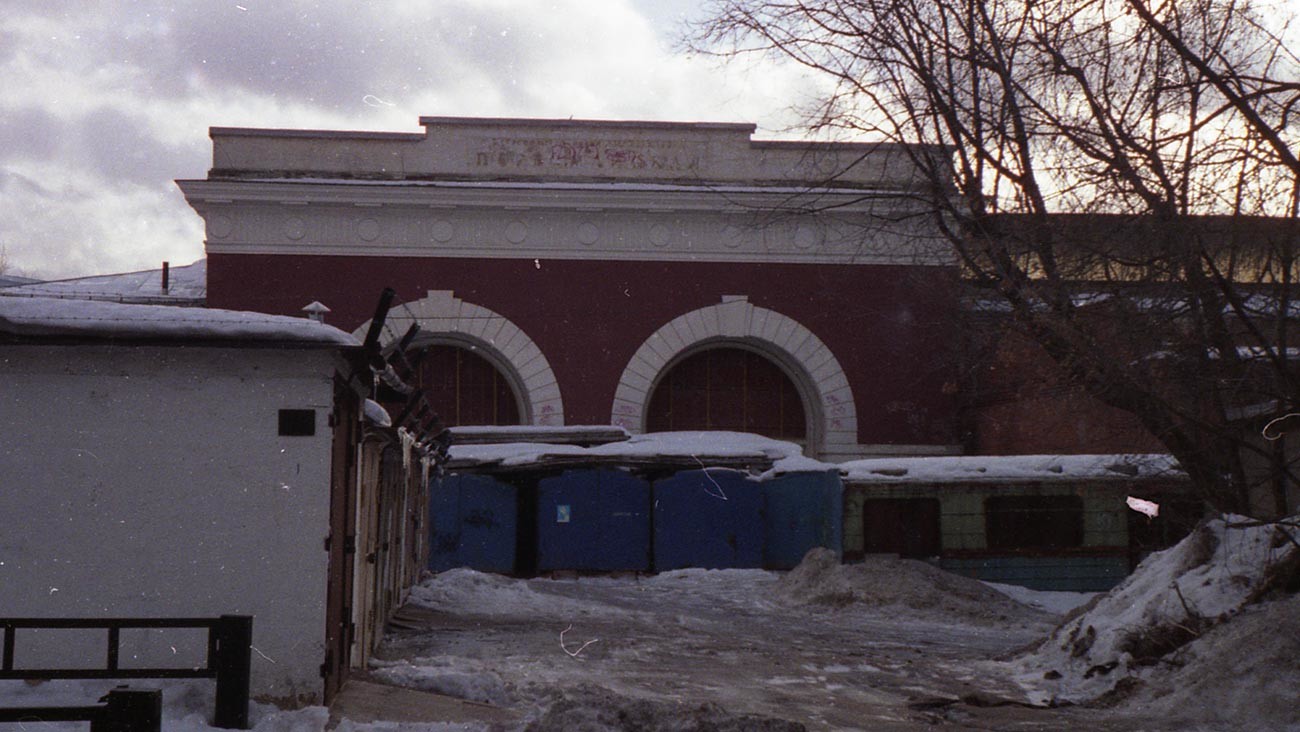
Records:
x=166, y=276
x=316, y=311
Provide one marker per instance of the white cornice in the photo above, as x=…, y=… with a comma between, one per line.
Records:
x=614, y=196
x=589, y=222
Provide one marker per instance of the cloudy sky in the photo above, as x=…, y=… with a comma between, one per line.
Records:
x=106, y=103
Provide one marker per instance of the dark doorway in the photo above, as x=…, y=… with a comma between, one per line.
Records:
x=728, y=389
x=466, y=388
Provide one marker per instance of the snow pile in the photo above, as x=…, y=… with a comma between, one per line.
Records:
x=1159, y=616
x=442, y=676
x=593, y=709
x=1241, y=675
x=820, y=579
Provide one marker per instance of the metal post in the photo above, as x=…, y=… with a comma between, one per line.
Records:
x=7, y=655
x=130, y=711
x=234, y=644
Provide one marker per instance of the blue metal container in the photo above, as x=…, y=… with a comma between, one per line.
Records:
x=801, y=511
x=593, y=520
x=708, y=518
x=472, y=523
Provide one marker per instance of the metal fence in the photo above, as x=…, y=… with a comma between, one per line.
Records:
x=229, y=652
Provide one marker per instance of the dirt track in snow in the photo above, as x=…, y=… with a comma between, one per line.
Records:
x=743, y=640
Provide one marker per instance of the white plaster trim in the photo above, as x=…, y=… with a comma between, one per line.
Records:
x=833, y=423
x=699, y=224
x=442, y=315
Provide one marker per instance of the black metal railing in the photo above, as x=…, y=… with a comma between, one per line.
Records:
x=229, y=655
x=122, y=710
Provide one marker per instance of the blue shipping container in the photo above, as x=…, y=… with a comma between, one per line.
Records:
x=472, y=522
x=593, y=520
x=802, y=511
x=708, y=518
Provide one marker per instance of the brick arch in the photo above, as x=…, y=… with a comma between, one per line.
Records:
x=444, y=318
x=832, y=416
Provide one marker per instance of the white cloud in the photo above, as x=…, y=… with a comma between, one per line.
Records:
x=105, y=106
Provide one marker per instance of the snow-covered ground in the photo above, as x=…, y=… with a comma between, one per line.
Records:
x=887, y=644
x=1203, y=636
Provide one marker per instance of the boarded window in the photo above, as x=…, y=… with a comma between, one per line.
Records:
x=464, y=388
x=908, y=527
x=727, y=389
x=1034, y=522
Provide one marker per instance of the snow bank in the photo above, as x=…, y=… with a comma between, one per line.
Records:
x=1241, y=675
x=1170, y=601
x=820, y=579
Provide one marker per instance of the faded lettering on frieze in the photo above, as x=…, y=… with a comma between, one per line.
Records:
x=620, y=155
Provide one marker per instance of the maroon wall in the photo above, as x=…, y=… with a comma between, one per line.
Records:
x=890, y=327
x=1028, y=406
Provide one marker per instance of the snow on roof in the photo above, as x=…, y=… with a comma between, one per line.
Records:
x=699, y=449
x=1003, y=468
x=40, y=316
x=186, y=285
x=14, y=280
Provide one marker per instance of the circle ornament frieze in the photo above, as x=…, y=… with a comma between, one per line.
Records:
x=516, y=232
x=659, y=235
x=220, y=226
x=807, y=237
x=295, y=228
x=442, y=231
x=732, y=236
x=368, y=229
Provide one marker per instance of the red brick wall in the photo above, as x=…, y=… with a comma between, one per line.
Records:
x=1025, y=408
x=889, y=326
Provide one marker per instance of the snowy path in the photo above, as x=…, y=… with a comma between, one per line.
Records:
x=732, y=638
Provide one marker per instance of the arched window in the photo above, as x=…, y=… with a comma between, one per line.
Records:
x=727, y=389
x=465, y=388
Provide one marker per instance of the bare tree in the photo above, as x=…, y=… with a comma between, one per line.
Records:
x=1167, y=128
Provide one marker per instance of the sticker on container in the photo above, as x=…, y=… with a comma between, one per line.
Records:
x=562, y=514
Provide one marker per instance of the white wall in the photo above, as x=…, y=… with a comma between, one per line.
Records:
x=151, y=481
